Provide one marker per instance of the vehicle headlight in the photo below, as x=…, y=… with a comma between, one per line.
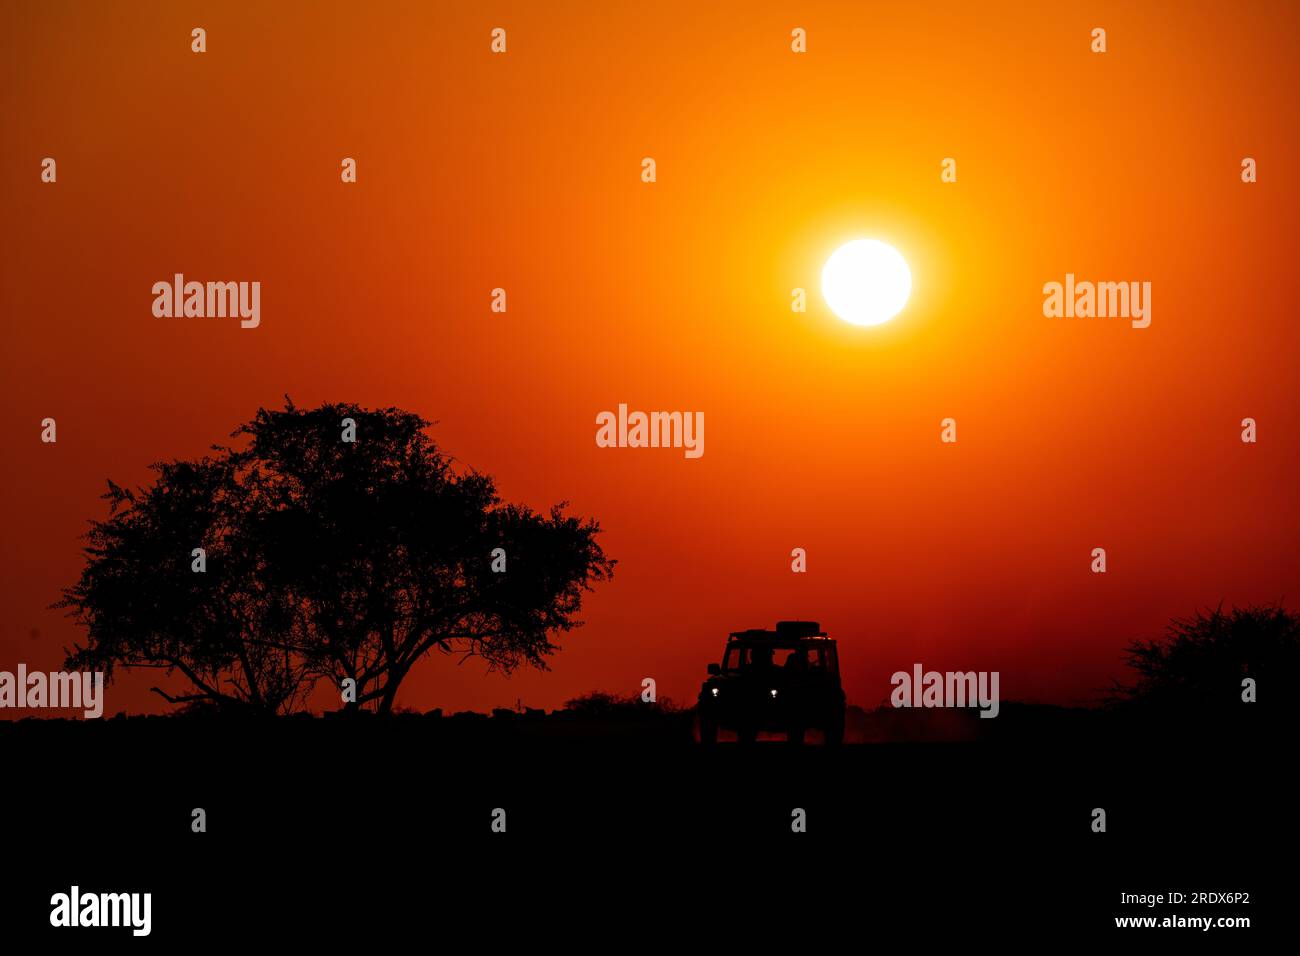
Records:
x=715, y=692
x=773, y=691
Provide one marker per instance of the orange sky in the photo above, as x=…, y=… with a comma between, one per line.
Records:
x=523, y=171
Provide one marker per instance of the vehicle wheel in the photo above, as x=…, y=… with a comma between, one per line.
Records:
x=834, y=731
x=795, y=735
x=708, y=731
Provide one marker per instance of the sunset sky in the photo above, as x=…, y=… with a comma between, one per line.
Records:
x=523, y=171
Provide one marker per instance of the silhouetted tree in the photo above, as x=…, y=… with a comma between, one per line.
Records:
x=145, y=607
x=360, y=557
x=1202, y=660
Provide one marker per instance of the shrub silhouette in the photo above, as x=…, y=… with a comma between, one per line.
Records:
x=326, y=559
x=600, y=704
x=1202, y=660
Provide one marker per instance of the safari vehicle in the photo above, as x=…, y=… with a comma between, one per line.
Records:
x=783, y=680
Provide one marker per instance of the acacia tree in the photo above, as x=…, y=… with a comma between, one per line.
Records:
x=368, y=554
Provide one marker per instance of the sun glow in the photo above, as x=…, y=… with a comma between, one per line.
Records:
x=866, y=282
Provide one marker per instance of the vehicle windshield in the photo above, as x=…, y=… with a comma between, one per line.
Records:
x=753, y=658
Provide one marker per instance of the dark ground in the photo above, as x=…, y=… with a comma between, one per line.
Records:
x=623, y=833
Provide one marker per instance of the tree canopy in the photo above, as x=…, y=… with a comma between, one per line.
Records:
x=326, y=559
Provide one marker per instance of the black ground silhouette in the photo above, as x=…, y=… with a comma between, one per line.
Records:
x=373, y=821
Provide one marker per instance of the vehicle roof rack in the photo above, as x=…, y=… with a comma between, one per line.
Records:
x=785, y=630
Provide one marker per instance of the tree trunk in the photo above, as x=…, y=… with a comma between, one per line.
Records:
x=391, y=683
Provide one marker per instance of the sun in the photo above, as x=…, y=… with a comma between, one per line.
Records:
x=866, y=282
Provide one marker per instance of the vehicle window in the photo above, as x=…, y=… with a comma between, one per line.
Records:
x=757, y=656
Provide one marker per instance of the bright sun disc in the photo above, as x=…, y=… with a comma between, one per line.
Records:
x=866, y=282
